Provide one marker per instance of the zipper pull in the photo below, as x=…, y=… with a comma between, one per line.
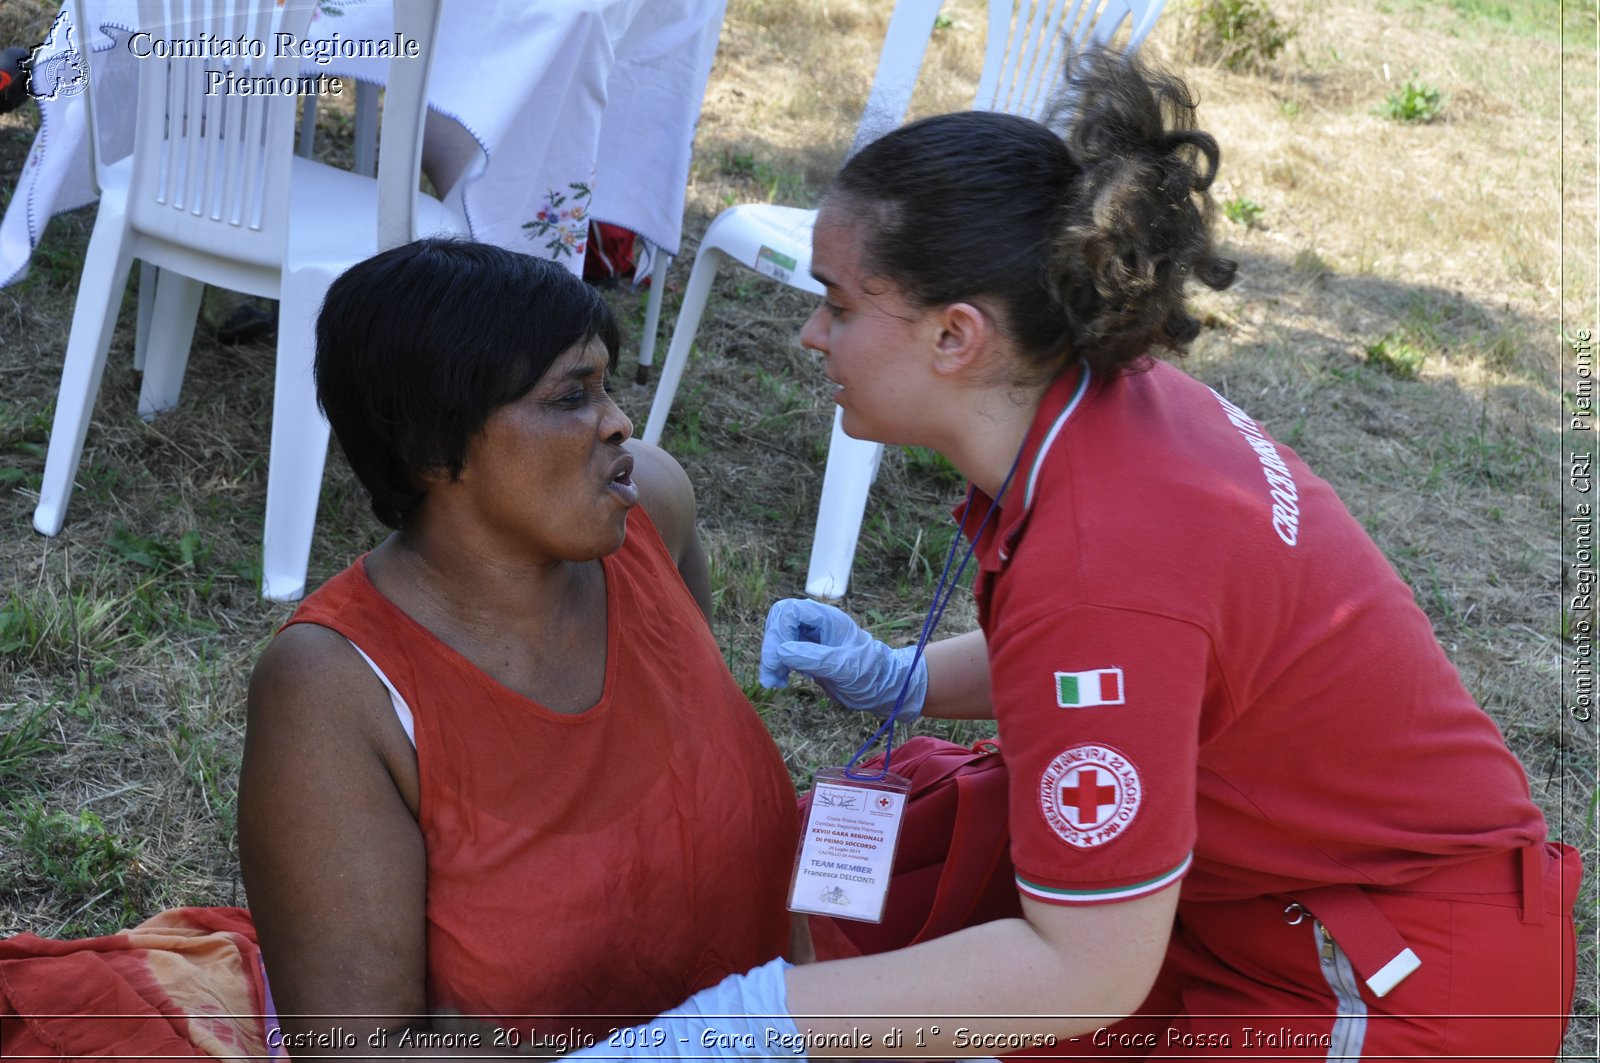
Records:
x=1327, y=945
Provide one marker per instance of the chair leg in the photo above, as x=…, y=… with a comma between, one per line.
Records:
x=149, y=276
x=177, y=305
x=695, y=295
x=852, y=463
x=366, y=139
x=660, y=262
x=94, y=317
x=299, y=448
x=306, y=145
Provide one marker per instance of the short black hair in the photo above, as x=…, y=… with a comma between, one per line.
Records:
x=418, y=345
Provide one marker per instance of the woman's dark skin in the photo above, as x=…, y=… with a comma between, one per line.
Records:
x=503, y=565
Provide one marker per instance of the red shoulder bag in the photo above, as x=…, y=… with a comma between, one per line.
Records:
x=952, y=868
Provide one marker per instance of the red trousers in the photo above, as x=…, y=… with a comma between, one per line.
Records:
x=1266, y=979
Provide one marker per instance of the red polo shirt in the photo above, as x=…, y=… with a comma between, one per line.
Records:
x=1201, y=665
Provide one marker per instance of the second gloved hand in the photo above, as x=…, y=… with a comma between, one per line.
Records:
x=852, y=667
x=744, y=1016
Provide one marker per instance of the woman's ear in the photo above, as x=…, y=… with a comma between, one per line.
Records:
x=965, y=334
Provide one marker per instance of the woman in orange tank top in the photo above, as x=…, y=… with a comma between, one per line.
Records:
x=497, y=767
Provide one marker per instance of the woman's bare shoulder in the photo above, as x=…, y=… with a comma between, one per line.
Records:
x=307, y=665
x=311, y=685
x=665, y=492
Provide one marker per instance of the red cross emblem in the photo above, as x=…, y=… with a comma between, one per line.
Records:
x=1089, y=794
x=884, y=801
x=1086, y=797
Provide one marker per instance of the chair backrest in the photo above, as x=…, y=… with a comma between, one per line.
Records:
x=1029, y=41
x=84, y=40
x=1024, y=54
x=211, y=162
x=211, y=157
x=904, y=45
x=405, y=108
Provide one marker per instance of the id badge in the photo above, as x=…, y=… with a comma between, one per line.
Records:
x=847, y=845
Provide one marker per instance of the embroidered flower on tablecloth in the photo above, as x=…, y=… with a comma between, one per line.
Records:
x=563, y=222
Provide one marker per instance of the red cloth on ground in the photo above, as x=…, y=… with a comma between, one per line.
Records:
x=609, y=862
x=187, y=982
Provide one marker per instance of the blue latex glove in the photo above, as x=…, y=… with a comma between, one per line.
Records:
x=744, y=1016
x=851, y=666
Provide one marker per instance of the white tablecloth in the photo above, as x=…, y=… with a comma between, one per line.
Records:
x=581, y=109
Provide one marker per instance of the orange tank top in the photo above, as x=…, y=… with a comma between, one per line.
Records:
x=611, y=862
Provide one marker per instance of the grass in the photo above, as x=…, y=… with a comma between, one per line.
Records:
x=1529, y=18
x=126, y=642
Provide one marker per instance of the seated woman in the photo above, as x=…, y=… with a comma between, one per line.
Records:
x=498, y=767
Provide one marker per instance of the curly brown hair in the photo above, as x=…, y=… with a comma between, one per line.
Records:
x=1083, y=239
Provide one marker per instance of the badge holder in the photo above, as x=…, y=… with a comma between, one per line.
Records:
x=846, y=853
x=845, y=859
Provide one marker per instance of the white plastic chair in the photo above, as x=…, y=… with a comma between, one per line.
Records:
x=213, y=195
x=1023, y=60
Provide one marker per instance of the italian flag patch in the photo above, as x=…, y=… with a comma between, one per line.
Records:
x=1080, y=690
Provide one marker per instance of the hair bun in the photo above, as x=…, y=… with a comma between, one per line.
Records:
x=1136, y=214
x=1078, y=234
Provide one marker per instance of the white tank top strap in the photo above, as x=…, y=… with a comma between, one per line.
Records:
x=401, y=709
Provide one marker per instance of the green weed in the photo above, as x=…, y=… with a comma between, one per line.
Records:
x=14, y=477
x=1242, y=210
x=682, y=434
x=784, y=398
x=1241, y=35
x=1397, y=355
x=24, y=738
x=912, y=548
x=778, y=185
x=929, y=467
x=1415, y=102
x=188, y=551
x=78, y=855
x=739, y=164
x=43, y=626
x=1488, y=10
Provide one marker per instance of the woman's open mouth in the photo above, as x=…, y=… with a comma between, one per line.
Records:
x=621, y=482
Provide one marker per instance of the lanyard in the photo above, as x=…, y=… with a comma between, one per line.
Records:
x=941, y=598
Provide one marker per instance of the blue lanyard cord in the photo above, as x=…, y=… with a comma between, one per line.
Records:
x=941, y=598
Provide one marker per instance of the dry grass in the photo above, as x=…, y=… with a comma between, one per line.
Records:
x=126, y=650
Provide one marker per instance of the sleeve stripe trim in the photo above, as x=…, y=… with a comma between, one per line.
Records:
x=1116, y=893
